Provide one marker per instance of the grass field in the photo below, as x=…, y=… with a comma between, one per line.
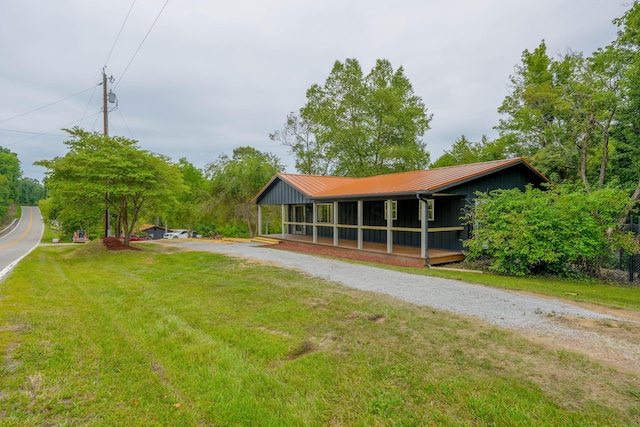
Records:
x=160, y=337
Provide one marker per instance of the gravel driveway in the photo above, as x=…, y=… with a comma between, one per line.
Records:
x=495, y=306
x=537, y=316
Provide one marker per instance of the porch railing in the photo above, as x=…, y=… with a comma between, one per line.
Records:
x=375, y=227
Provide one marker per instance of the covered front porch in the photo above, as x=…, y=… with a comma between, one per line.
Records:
x=396, y=228
x=436, y=256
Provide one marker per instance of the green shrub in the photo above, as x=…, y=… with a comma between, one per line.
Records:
x=555, y=231
x=233, y=230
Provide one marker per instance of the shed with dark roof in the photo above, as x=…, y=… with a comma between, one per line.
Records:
x=420, y=209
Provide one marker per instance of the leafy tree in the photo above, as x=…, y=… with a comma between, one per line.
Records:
x=463, y=152
x=626, y=156
x=5, y=196
x=9, y=176
x=189, y=209
x=237, y=179
x=312, y=157
x=29, y=191
x=560, y=113
x=100, y=171
x=357, y=125
x=539, y=231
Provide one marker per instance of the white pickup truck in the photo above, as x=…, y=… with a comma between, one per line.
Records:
x=176, y=234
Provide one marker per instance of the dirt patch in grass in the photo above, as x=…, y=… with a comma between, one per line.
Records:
x=115, y=244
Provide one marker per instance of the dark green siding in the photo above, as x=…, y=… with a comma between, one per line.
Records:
x=513, y=177
x=449, y=203
x=281, y=193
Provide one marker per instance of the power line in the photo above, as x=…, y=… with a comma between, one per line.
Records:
x=52, y=130
x=89, y=103
x=141, y=43
x=119, y=33
x=125, y=123
x=48, y=105
x=24, y=131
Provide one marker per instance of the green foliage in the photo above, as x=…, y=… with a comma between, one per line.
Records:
x=560, y=113
x=198, y=339
x=5, y=196
x=29, y=191
x=311, y=156
x=9, y=176
x=576, y=117
x=234, y=229
x=357, y=125
x=236, y=180
x=463, y=152
x=13, y=187
x=191, y=203
x=550, y=231
x=101, y=171
x=626, y=156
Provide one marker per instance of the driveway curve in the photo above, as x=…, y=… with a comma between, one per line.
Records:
x=502, y=308
x=535, y=316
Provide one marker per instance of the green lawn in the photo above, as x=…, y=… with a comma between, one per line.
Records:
x=188, y=339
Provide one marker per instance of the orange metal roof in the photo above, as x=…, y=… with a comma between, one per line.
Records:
x=316, y=186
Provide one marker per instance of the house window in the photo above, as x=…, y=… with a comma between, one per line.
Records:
x=430, y=210
x=394, y=209
x=324, y=213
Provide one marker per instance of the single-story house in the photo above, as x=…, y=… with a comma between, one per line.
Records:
x=154, y=231
x=419, y=209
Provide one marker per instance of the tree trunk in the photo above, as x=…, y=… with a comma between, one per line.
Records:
x=605, y=148
x=583, y=165
x=634, y=199
x=251, y=235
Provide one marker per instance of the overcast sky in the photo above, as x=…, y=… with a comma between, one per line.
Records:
x=211, y=75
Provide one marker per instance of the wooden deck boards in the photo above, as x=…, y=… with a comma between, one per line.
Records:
x=436, y=256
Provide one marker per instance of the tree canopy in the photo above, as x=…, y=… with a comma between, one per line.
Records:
x=14, y=188
x=357, y=125
x=463, y=152
x=9, y=176
x=237, y=179
x=575, y=117
x=100, y=172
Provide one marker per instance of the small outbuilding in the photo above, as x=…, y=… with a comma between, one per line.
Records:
x=419, y=210
x=154, y=231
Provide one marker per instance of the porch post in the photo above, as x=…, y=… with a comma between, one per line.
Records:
x=427, y=262
x=335, y=223
x=424, y=226
x=259, y=220
x=389, y=225
x=360, y=221
x=283, y=217
x=315, y=223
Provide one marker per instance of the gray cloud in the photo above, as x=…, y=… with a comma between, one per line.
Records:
x=212, y=76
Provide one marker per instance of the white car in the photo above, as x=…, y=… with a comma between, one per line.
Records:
x=176, y=234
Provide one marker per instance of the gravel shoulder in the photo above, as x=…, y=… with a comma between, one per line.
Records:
x=608, y=335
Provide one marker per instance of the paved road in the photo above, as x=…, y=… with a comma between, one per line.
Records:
x=21, y=240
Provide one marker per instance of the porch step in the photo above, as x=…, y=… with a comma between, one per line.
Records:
x=446, y=258
x=265, y=240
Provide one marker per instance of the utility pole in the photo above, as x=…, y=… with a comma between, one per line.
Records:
x=105, y=115
x=105, y=112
